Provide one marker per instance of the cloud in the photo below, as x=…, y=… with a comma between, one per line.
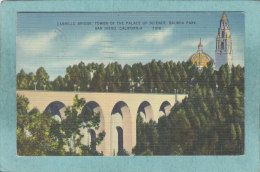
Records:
x=36, y=44
x=104, y=46
x=85, y=45
x=91, y=40
x=154, y=37
x=127, y=53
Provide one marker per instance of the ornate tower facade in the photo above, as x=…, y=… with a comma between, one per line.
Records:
x=223, y=53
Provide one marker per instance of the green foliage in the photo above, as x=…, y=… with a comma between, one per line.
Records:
x=210, y=121
x=156, y=74
x=164, y=77
x=33, y=130
x=176, y=149
x=122, y=152
x=22, y=80
x=147, y=137
x=203, y=125
x=41, y=77
x=22, y=105
x=147, y=152
x=39, y=134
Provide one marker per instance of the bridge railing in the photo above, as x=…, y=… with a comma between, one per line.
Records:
x=95, y=92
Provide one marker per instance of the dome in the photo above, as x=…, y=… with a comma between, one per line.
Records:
x=200, y=59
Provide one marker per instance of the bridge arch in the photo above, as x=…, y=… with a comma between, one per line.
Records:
x=146, y=111
x=118, y=108
x=90, y=134
x=121, y=128
x=57, y=110
x=95, y=108
x=165, y=108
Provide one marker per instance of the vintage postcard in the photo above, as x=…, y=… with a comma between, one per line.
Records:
x=129, y=86
x=130, y=83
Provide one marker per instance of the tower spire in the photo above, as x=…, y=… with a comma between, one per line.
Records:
x=224, y=17
x=200, y=45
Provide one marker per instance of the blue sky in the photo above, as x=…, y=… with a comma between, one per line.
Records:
x=42, y=39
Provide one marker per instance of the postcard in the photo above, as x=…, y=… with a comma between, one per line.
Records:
x=158, y=83
x=129, y=87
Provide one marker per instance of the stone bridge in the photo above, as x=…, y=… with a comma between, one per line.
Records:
x=118, y=113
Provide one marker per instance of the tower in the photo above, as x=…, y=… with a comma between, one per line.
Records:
x=223, y=53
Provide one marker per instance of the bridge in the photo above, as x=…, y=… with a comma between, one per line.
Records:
x=118, y=113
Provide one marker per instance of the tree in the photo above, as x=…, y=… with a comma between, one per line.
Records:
x=147, y=137
x=42, y=78
x=98, y=81
x=33, y=131
x=164, y=140
x=21, y=80
x=31, y=79
x=122, y=152
x=140, y=137
x=76, y=118
x=58, y=84
x=126, y=77
x=176, y=149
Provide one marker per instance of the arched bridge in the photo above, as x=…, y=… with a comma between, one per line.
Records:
x=118, y=113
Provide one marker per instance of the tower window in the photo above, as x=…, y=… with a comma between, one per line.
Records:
x=222, y=45
x=223, y=33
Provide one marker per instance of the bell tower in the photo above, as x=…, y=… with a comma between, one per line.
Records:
x=223, y=53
